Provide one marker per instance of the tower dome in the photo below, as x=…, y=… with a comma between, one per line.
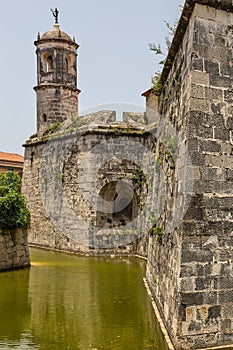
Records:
x=56, y=90
x=56, y=34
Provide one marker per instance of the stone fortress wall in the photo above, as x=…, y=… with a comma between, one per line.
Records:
x=64, y=174
x=190, y=274
x=14, y=250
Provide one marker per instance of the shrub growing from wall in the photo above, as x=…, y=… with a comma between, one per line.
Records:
x=14, y=220
x=13, y=209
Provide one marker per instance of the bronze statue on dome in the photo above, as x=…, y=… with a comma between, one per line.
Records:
x=55, y=14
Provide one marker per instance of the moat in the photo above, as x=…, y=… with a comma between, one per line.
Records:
x=68, y=302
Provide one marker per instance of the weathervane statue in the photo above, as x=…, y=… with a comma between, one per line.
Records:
x=55, y=14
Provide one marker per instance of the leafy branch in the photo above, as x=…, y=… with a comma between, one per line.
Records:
x=13, y=209
x=156, y=80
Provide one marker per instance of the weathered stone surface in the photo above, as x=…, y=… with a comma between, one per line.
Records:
x=64, y=176
x=56, y=90
x=211, y=67
x=193, y=266
x=14, y=251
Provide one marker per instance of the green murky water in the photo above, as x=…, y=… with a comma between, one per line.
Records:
x=69, y=302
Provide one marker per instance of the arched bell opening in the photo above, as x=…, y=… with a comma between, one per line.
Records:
x=47, y=62
x=71, y=64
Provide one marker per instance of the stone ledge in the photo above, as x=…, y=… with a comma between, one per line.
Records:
x=218, y=347
x=159, y=318
x=119, y=129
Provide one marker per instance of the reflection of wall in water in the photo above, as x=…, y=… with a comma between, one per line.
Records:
x=89, y=303
x=61, y=306
x=14, y=304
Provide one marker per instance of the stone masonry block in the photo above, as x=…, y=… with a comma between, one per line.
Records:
x=203, y=269
x=228, y=95
x=206, y=119
x=200, y=78
x=218, y=81
x=212, y=53
x=227, y=311
x=203, y=283
x=187, y=284
x=225, y=296
x=209, y=146
x=229, y=175
x=197, y=158
x=214, y=311
x=210, y=297
x=197, y=91
x=205, y=132
x=194, y=213
x=219, y=41
x=226, y=69
x=197, y=64
x=229, y=123
x=203, y=37
x=188, y=270
x=197, y=255
x=191, y=299
x=222, y=134
x=190, y=313
x=227, y=148
x=213, y=93
x=220, y=187
x=226, y=325
x=226, y=282
x=202, y=312
x=192, y=144
x=211, y=67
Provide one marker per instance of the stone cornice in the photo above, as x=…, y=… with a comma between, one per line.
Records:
x=54, y=86
x=64, y=41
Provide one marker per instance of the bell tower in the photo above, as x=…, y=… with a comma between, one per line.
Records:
x=56, y=90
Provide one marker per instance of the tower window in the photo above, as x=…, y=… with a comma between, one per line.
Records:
x=32, y=156
x=44, y=118
x=71, y=64
x=66, y=65
x=47, y=62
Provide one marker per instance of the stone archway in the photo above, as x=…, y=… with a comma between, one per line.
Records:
x=121, y=204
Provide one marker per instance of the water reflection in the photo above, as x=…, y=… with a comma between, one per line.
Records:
x=68, y=302
x=14, y=306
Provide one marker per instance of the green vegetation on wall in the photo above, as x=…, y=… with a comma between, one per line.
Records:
x=139, y=180
x=51, y=129
x=157, y=83
x=156, y=231
x=13, y=209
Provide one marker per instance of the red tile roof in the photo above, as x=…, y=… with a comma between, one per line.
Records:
x=11, y=157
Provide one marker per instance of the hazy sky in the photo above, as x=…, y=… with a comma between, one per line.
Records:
x=115, y=64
